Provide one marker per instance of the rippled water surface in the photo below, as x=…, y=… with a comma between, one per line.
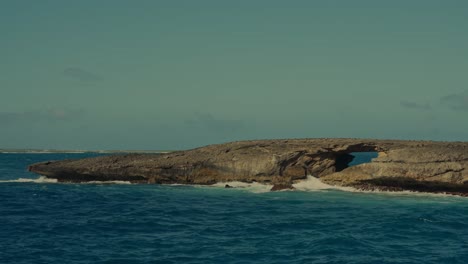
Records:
x=44, y=222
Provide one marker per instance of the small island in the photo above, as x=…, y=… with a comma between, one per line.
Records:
x=428, y=166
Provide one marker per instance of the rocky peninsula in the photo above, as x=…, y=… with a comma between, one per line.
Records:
x=401, y=165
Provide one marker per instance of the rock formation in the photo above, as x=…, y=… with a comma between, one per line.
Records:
x=282, y=162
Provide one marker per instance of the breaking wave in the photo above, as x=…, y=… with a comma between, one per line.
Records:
x=310, y=184
x=313, y=184
x=254, y=187
x=41, y=179
x=44, y=179
x=107, y=182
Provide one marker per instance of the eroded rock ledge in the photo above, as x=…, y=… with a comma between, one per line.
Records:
x=282, y=162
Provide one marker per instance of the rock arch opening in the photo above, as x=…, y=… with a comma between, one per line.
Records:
x=347, y=160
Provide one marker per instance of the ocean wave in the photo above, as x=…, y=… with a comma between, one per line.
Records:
x=254, y=187
x=315, y=184
x=41, y=179
x=408, y=193
x=107, y=182
x=311, y=184
x=44, y=179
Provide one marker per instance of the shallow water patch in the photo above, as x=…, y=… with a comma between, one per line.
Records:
x=354, y=158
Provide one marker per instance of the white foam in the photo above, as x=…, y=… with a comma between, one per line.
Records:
x=407, y=193
x=41, y=179
x=254, y=187
x=314, y=184
x=311, y=184
x=107, y=182
x=44, y=179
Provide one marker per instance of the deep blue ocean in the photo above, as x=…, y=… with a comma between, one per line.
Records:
x=43, y=222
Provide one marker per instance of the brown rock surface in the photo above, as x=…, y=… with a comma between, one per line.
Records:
x=278, y=162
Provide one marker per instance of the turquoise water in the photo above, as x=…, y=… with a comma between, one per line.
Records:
x=123, y=223
x=362, y=157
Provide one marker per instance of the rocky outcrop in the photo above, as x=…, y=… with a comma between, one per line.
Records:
x=278, y=162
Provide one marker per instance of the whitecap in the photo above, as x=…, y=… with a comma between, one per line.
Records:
x=254, y=187
x=409, y=193
x=44, y=179
x=107, y=182
x=41, y=179
x=315, y=184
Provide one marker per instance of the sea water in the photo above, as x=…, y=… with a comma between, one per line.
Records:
x=42, y=221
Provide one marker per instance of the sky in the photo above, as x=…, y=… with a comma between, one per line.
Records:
x=156, y=74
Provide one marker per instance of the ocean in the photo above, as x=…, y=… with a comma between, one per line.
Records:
x=46, y=222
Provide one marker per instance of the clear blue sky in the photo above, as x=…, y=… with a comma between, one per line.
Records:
x=115, y=74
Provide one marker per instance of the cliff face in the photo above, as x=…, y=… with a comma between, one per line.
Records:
x=278, y=162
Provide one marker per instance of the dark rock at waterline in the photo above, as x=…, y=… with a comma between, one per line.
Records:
x=228, y=186
x=277, y=162
x=282, y=186
x=394, y=184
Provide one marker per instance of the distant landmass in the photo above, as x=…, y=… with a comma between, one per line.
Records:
x=42, y=151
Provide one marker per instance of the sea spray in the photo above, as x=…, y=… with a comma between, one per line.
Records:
x=108, y=182
x=254, y=187
x=315, y=184
x=44, y=179
x=41, y=179
x=310, y=184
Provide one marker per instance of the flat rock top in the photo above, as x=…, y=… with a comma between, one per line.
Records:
x=406, y=150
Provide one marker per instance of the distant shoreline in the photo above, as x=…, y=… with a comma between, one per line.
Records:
x=54, y=151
